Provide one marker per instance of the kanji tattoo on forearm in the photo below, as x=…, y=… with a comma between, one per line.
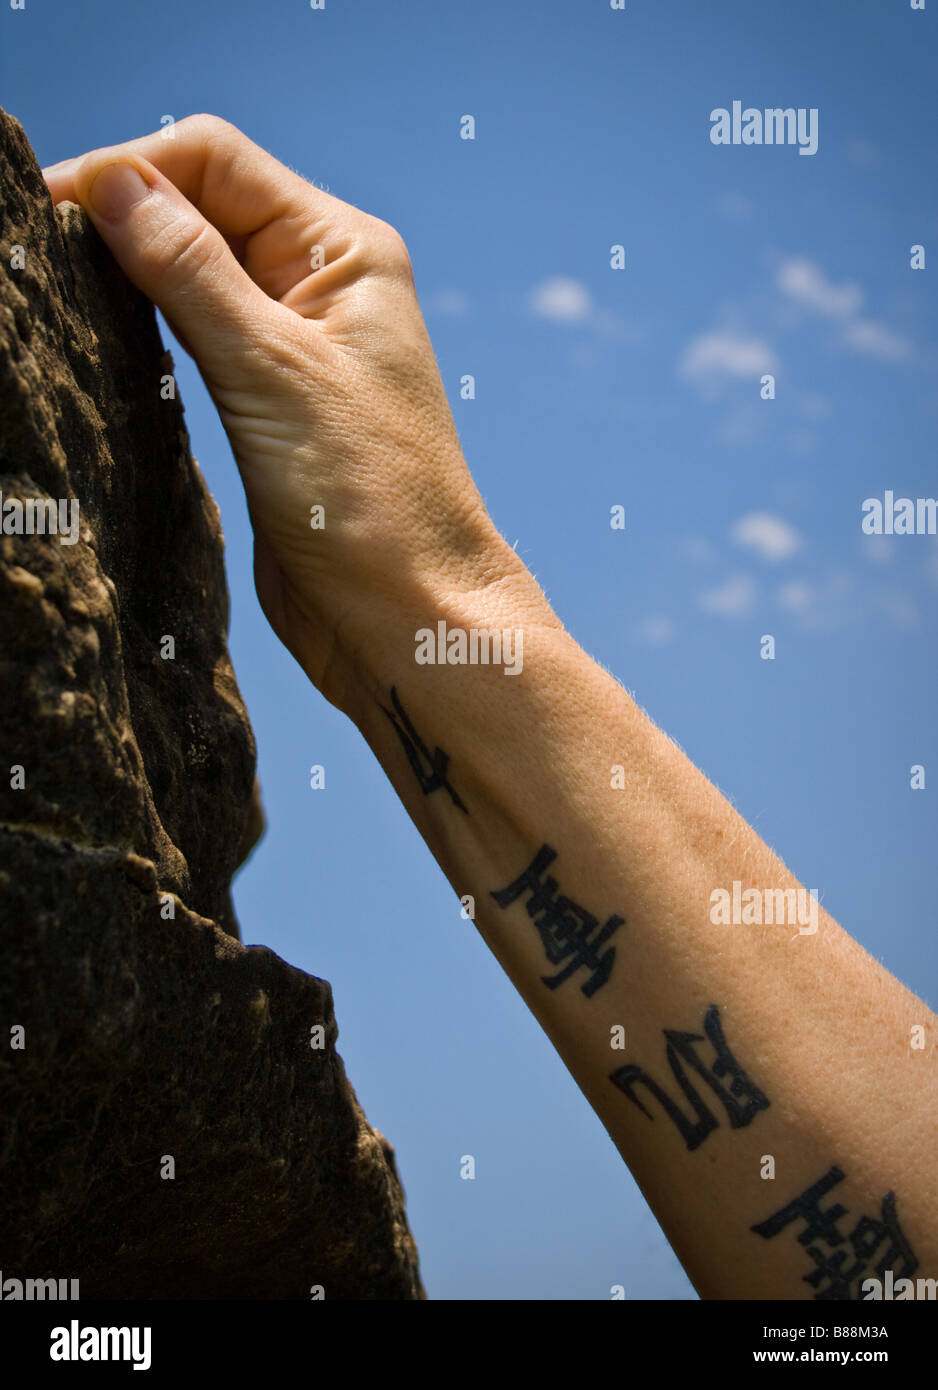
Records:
x=838, y=1270
x=569, y=933
x=430, y=768
x=742, y=1100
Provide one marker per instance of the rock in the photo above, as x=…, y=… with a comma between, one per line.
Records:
x=153, y=1041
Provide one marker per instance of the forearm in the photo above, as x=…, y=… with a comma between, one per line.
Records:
x=817, y=1033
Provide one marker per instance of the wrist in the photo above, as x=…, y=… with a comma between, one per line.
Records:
x=482, y=611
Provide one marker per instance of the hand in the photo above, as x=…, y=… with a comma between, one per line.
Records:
x=302, y=316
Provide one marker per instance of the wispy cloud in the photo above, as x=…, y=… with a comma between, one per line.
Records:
x=734, y=599
x=795, y=596
x=769, y=536
x=655, y=632
x=726, y=353
x=876, y=340
x=560, y=300
x=821, y=603
x=801, y=280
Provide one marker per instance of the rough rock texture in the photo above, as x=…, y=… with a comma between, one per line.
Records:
x=146, y=1035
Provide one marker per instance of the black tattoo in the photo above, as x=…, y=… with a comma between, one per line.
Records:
x=833, y=1278
x=430, y=768
x=742, y=1100
x=568, y=932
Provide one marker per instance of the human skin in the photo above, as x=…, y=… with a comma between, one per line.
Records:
x=815, y=1056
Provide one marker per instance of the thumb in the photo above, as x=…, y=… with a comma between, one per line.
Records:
x=178, y=259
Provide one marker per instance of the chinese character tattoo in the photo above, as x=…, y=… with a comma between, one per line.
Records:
x=571, y=936
x=741, y=1099
x=430, y=768
x=839, y=1267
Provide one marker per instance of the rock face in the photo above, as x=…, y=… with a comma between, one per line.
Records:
x=138, y=1037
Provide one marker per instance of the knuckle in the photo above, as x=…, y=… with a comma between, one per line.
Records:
x=390, y=248
x=180, y=253
x=209, y=127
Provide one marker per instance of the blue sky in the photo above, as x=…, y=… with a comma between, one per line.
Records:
x=594, y=387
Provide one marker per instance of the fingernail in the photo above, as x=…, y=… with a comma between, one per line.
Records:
x=115, y=190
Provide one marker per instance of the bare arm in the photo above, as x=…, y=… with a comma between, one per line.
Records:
x=770, y=1085
x=736, y=1065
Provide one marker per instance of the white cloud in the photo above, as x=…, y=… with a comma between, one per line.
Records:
x=734, y=599
x=656, y=632
x=767, y=535
x=876, y=340
x=560, y=300
x=725, y=353
x=804, y=282
x=822, y=604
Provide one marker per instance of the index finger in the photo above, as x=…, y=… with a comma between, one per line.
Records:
x=235, y=184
